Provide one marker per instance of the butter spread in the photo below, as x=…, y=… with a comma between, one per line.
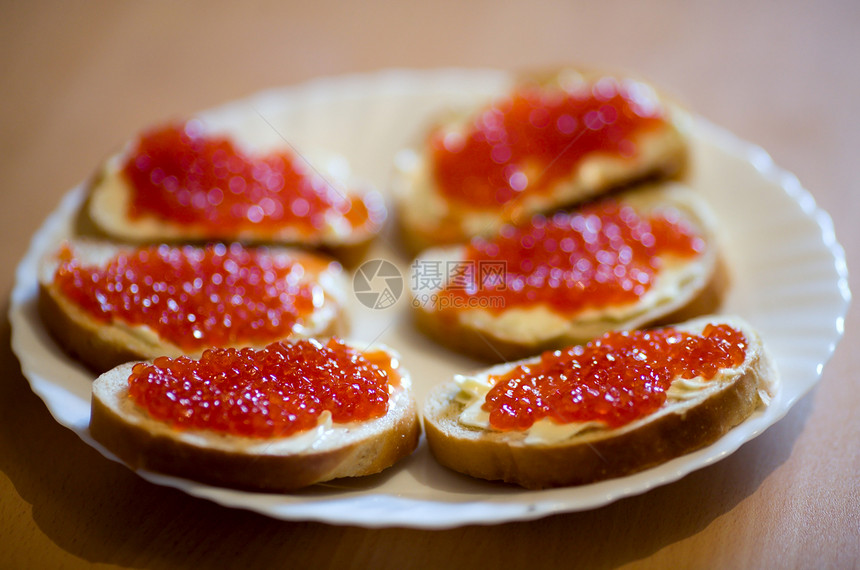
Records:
x=536, y=323
x=474, y=389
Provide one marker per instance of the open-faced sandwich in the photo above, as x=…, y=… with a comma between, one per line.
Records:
x=621, y=262
x=108, y=304
x=553, y=141
x=275, y=419
x=180, y=182
x=624, y=402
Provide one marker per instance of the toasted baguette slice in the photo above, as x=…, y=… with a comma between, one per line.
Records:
x=429, y=217
x=109, y=202
x=102, y=345
x=329, y=451
x=485, y=327
x=688, y=421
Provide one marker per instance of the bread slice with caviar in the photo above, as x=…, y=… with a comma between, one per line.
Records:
x=183, y=182
x=621, y=404
x=552, y=141
x=358, y=424
x=635, y=258
x=106, y=304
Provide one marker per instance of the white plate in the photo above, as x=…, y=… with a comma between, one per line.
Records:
x=789, y=281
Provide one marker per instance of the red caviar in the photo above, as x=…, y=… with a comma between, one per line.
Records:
x=193, y=296
x=273, y=392
x=179, y=174
x=605, y=254
x=530, y=140
x=615, y=379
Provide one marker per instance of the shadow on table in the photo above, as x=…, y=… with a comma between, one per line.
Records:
x=99, y=511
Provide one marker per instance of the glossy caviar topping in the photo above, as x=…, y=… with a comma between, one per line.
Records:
x=277, y=391
x=182, y=175
x=195, y=297
x=527, y=142
x=615, y=379
x=605, y=254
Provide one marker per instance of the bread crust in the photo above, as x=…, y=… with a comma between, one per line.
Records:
x=244, y=463
x=426, y=218
x=102, y=346
x=701, y=294
x=598, y=454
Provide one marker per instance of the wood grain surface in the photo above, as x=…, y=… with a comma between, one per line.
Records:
x=78, y=78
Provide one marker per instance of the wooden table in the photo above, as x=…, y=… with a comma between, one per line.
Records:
x=79, y=78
